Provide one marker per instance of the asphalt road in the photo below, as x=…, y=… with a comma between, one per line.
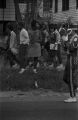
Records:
x=43, y=110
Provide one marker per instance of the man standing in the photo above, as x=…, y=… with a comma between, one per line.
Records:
x=23, y=49
x=12, y=46
x=71, y=69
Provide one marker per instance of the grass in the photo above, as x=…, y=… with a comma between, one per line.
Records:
x=10, y=79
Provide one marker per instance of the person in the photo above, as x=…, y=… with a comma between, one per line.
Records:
x=58, y=48
x=45, y=44
x=71, y=69
x=52, y=50
x=35, y=41
x=11, y=46
x=23, y=47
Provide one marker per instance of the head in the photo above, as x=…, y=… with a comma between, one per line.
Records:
x=33, y=25
x=10, y=26
x=51, y=27
x=37, y=25
x=21, y=25
x=55, y=27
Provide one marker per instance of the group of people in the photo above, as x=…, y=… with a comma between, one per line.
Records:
x=32, y=43
x=26, y=45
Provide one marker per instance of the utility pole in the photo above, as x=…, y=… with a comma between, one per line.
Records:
x=3, y=6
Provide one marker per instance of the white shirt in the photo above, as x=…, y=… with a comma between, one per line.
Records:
x=12, y=39
x=24, y=37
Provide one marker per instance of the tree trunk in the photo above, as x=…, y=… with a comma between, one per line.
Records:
x=17, y=11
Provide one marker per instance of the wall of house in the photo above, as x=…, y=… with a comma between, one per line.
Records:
x=8, y=14
x=62, y=16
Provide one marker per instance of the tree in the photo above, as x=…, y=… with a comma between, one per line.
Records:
x=17, y=11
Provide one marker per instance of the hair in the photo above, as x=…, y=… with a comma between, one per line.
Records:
x=21, y=25
x=55, y=26
x=33, y=24
x=10, y=26
x=51, y=26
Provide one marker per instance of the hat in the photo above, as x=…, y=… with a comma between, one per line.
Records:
x=69, y=31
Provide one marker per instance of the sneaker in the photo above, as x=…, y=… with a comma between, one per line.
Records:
x=15, y=66
x=51, y=66
x=38, y=65
x=27, y=67
x=71, y=99
x=22, y=70
x=60, y=67
x=34, y=70
x=45, y=64
x=36, y=84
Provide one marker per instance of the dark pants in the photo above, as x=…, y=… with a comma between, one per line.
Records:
x=73, y=84
x=35, y=62
x=12, y=58
x=52, y=54
x=23, y=55
x=55, y=53
x=59, y=54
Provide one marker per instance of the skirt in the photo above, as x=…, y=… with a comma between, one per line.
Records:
x=34, y=50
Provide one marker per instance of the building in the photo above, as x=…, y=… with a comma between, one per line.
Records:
x=53, y=10
x=7, y=12
x=44, y=8
x=61, y=10
x=16, y=10
x=65, y=9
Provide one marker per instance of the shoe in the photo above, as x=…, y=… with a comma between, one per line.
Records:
x=36, y=84
x=71, y=99
x=51, y=66
x=38, y=65
x=15, y=66
x=21, y=71
x=60, y=67
x=34, y=70
x=27, y=67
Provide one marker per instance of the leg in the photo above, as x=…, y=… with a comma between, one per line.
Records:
x=10, y=57
x=71, y=84
x=35, y=64
x=23, y=57
x=61, y=66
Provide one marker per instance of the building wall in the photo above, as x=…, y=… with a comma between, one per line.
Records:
x=62, y=16
x=8, y=14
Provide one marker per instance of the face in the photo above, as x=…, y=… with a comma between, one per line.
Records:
x=37, y=25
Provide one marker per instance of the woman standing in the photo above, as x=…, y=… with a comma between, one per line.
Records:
x=35, y=47
x=23, y=49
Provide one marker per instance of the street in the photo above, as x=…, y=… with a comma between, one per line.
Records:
x=38, y=110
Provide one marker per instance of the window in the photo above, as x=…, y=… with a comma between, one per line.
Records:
x=65, y=5
x=2, y=3
x=76, y=3
x=46, y=5
x=56, y=6
x=21, y=1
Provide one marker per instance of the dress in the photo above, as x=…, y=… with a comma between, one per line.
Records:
x=35, y=47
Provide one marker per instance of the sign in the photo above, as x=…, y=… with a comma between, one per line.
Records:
x=23, y=9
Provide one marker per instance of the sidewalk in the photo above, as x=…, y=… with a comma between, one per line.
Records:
x=34, y=95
